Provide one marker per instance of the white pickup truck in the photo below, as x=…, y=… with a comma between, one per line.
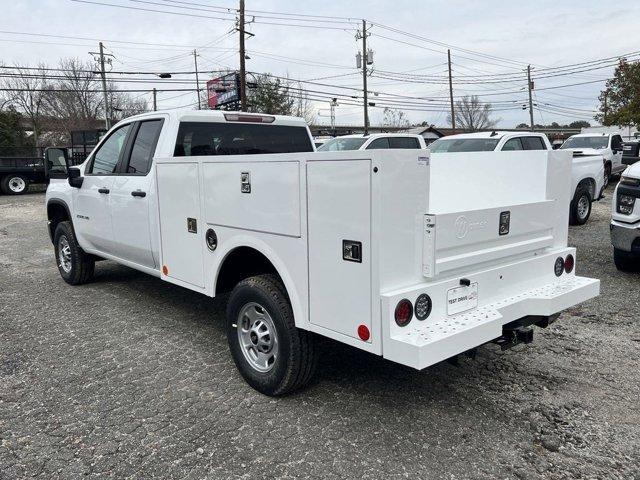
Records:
x=609, y=145
x=625, y=221
x=411, y=258
x=587, y=169
x=374, y=141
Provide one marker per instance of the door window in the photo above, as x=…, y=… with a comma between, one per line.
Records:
x=403, y=142
x=106, y=157
x=512, y=144
x=143, y=147
x=533, y=143
x=616, y=143
x=379, y=143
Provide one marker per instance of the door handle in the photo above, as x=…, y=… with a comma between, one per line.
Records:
x=138, y=193
x=103, y=190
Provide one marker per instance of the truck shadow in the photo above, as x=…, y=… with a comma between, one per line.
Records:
x=341, y=368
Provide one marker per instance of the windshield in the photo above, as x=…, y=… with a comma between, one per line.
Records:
x=338, y=143
x=463, y=145
x=601, y=141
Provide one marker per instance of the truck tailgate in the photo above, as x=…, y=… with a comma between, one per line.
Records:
x=505, y=208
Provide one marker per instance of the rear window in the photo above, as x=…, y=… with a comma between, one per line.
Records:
x=403, y=142
x=464, y=145
x=208, y=138
x=339, y=144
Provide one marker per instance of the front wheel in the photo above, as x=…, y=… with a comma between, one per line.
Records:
x=74, y=265
x=580, y=207
x=14, y=184
x=626, y=261
x=271, y=353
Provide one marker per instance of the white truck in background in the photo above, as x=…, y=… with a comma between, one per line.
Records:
x=608, y=145
x=413, y=258
x=374, y=141
x=587, y=168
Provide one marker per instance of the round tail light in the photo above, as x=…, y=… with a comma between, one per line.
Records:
x=558, y=267
x=404, y=312
x=364, y=333
x=569, y=263
x=423, y=306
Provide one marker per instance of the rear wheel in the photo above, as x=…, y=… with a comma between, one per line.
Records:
x=14, y=184
x=626, y=261
x=75, y=266
x=272, y=355
x=580, y=207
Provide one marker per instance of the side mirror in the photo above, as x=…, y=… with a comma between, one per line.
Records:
x=56, y=162
x=75, y=179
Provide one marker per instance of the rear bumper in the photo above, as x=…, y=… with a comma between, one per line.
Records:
x=623, y=236
x=441, y=336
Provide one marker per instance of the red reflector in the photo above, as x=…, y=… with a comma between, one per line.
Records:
x=568, y=263
x=239, y=117
x=404, y=312
x=165, y=270
x=363, y=332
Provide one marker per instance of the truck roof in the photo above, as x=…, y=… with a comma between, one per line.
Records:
x=184, y=115
x=497, y=134
x=376, y=135
x=593, y=134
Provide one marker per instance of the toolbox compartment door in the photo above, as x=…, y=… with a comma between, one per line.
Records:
x=181, y=228
x=339, y=211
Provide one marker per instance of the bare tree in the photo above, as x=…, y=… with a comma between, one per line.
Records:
x=124, y=105
x=472, y=115
x=25, y=92
x=302, y=106
x=394, y=118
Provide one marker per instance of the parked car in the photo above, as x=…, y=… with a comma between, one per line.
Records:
x=587, y=172
x=375, y=141
x=630, y=152
x=609, y=145
x=625, y=220
x=372, y=248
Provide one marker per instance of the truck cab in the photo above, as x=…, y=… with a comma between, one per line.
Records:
x=412, y=257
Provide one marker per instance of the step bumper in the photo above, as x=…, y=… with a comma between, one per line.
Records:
x=430, y=342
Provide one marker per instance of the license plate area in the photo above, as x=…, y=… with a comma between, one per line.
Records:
x=462, y=298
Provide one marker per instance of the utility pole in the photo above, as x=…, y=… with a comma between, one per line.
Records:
x=453, y=113
x=103, y=74
x=365, y=61
x=155, y=100
x=243, y=72
x=530, y=86
x=195, y=60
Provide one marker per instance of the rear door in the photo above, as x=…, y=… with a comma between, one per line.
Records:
x=92, y=222
x=131, y=193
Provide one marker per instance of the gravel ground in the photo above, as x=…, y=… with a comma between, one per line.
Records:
x=131, y=377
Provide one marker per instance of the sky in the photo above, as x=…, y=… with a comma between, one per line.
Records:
x=490, y=41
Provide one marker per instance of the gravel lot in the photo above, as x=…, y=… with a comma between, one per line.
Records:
x=131, y=377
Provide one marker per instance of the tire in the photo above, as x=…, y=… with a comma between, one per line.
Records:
x=271, y=353
x=580, y=210
x=607, y=175
x=626, y=261
x=75, y=266
x=14, y=184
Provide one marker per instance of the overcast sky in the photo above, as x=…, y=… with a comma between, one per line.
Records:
x=543, y=33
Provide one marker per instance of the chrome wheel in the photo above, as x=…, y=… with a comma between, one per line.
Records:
x=64, y=254
x=258, y=337
x=583, y=207
x=17, y=184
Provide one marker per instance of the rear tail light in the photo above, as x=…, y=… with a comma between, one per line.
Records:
x=403, y=313
x=423, y=306
x=558, y=267
x=569, y=263
x=240, y=117
x=364, y=333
